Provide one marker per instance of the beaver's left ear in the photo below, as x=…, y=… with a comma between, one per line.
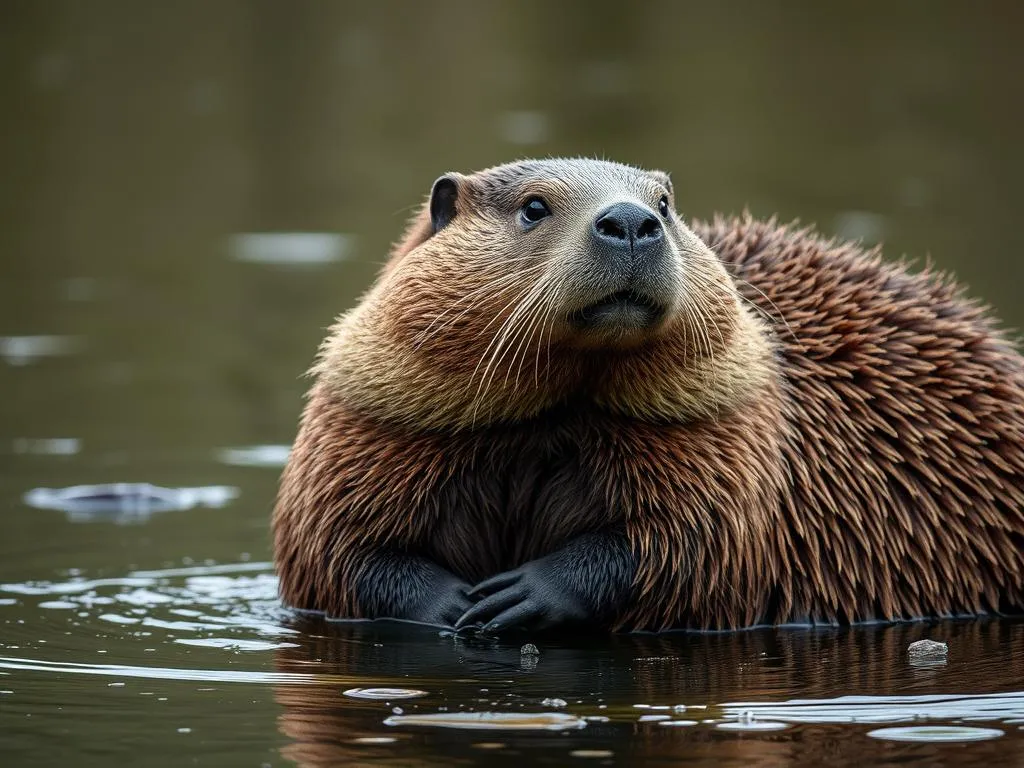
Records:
x=662, y=178
x=444, y=200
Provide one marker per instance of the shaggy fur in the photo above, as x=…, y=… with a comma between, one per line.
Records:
x=814, y=434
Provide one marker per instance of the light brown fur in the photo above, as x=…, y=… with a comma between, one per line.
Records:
x=813, y=434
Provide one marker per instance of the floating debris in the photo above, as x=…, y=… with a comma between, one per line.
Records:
x=597, y=753
x=290, y=247
x=935, y=733
x=529, y=650
x=515, y=721
x=126, y=502
x=374, y=740
x=256, y=456
x=554, y=703
x=383, y=694
x=678, y=723
x=652, y=718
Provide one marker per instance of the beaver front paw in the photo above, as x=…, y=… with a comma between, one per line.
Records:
x=442, y=602
x=534, y=596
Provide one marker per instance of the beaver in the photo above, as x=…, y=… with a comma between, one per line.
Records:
x=560, y=405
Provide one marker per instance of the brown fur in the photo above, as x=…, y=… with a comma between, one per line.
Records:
x=816, y=434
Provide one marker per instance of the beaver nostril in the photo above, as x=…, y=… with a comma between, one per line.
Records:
x=609, y=227
x=650, y=228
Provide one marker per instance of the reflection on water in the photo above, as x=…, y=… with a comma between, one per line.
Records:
x=349, y=691
x=194, y=191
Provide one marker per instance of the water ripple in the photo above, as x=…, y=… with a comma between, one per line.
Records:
x=883, y=709
x=230, y=606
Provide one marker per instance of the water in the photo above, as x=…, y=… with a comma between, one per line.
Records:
x=193, y=190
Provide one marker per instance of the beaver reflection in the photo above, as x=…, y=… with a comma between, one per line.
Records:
x=325, y=727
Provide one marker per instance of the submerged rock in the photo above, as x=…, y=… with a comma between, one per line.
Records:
x=927, y=649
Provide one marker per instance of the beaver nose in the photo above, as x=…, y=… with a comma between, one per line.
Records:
x=628, y=226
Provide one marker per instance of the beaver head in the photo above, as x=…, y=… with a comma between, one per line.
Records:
x=540, y=283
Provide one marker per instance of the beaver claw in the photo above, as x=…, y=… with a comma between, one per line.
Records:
x=533, y=596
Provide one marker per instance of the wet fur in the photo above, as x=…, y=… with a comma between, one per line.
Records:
x=853, y=452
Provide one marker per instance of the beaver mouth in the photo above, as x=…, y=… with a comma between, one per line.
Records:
x=627, y=307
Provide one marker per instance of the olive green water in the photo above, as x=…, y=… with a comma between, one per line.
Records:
x=142, y=338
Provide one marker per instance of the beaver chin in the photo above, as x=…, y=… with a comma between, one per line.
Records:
x=626, y=315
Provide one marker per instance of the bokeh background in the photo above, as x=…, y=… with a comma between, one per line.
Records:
x=140, y=140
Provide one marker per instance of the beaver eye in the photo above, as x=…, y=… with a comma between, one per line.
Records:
x=663, y=206
x=534, y=210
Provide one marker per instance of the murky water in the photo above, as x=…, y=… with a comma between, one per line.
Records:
x=193, y=190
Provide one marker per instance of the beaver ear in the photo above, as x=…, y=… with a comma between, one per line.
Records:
x=443, y=198
x=662, y=178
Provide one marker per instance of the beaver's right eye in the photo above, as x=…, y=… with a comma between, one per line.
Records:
x=534, y=210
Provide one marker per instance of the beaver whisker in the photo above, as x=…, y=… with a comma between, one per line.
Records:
x=426, y=334
x=536, y=314
x=521, y=327
x=522, y=315
x=494, y=340
x=554, y=302
x=502, y=337
x=510, y=279
x=703, y=258
x=699, y=302
x=485, y=288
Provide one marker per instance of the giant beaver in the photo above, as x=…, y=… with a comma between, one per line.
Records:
x=559, y=405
